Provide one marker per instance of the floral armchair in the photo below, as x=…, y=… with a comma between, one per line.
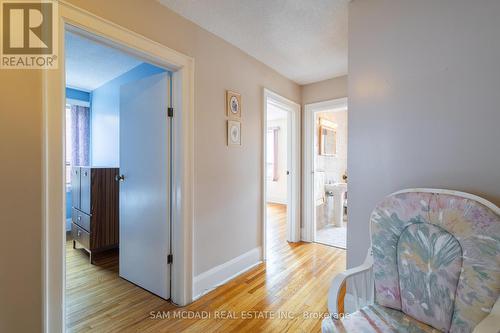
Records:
x=434, y=266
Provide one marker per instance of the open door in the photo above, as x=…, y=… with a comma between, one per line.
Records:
x=145, y=184
x=290, y=216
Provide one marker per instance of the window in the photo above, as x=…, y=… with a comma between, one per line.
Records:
x=272, y=166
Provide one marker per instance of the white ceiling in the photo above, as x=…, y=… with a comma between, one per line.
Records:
x=304, y=40
x=90, y=64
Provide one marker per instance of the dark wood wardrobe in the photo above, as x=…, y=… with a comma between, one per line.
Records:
x=95, y=208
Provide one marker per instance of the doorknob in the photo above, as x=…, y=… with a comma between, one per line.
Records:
x=119, y=178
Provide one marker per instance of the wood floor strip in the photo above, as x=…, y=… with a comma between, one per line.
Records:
x=293, y=281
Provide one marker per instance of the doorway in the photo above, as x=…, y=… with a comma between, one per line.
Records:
x=281, y=168
x=54, y=84
x=325, y=173
x=118, y=174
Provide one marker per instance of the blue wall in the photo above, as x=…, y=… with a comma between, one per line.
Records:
x=105, y=123
x=77, y=94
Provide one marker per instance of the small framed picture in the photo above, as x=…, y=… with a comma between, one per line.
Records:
x=233, y=104
x=233, y=133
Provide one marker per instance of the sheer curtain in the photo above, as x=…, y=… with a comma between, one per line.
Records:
x=80, y=135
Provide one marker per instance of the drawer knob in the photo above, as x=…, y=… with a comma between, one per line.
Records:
x=79, y=218
x=79, y=233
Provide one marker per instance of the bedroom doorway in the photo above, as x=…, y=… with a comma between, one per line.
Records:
x=281, y=169
x=115, y=115
x=182, y=147
x=118, y=142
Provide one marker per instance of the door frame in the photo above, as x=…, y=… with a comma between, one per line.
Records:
x=53, y=228
x=308, y=202
x=293, y=156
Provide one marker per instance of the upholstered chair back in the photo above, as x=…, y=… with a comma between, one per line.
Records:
x=437, y=257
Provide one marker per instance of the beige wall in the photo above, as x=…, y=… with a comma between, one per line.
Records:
x=228, y=187
x=424, y=106
x=20, y=200
x=324, y=90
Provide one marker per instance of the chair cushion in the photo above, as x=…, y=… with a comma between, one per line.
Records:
x=429, y=263
x=474, y=225
x=377, y=318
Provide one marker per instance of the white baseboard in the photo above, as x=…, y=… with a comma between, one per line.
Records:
x=219, y=275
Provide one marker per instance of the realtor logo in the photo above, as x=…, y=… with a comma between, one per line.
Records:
x=29, y=34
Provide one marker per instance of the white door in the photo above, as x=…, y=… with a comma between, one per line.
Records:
x=145, y=187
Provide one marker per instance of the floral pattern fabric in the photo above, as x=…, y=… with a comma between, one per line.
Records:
x=457, y=240
x=377, y=318
x=429, y=263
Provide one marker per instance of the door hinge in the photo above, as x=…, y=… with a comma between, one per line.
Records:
x=170, y=112
x=170, y=258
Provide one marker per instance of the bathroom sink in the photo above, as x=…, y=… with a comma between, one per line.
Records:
x=336, y=187
x=338, y=190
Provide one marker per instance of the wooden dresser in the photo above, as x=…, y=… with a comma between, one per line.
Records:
x=95, y=208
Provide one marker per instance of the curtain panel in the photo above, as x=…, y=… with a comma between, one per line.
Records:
x=80, y=135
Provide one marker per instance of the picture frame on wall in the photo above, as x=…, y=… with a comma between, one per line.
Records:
x=233, y=133
x=233, y=104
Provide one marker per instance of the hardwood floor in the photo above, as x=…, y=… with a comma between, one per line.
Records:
x=292, y=286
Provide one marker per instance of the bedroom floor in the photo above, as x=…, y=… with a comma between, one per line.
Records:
x=295, y=278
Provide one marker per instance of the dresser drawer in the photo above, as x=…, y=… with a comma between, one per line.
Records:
x=80, y=235
x=80, y=218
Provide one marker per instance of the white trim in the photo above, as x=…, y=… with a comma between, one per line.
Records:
x=339, y=279
x=293, y=184
x=221, y=274
x=53, y=205
x=308, y=201
x=338, y=104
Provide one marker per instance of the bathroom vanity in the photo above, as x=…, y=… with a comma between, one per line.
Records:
x=338, y=190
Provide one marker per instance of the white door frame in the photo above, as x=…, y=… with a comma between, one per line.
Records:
x=53, y=228
x=293, y=182
x=308, y=202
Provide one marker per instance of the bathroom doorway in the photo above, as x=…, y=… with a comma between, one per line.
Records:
x=325, y=178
